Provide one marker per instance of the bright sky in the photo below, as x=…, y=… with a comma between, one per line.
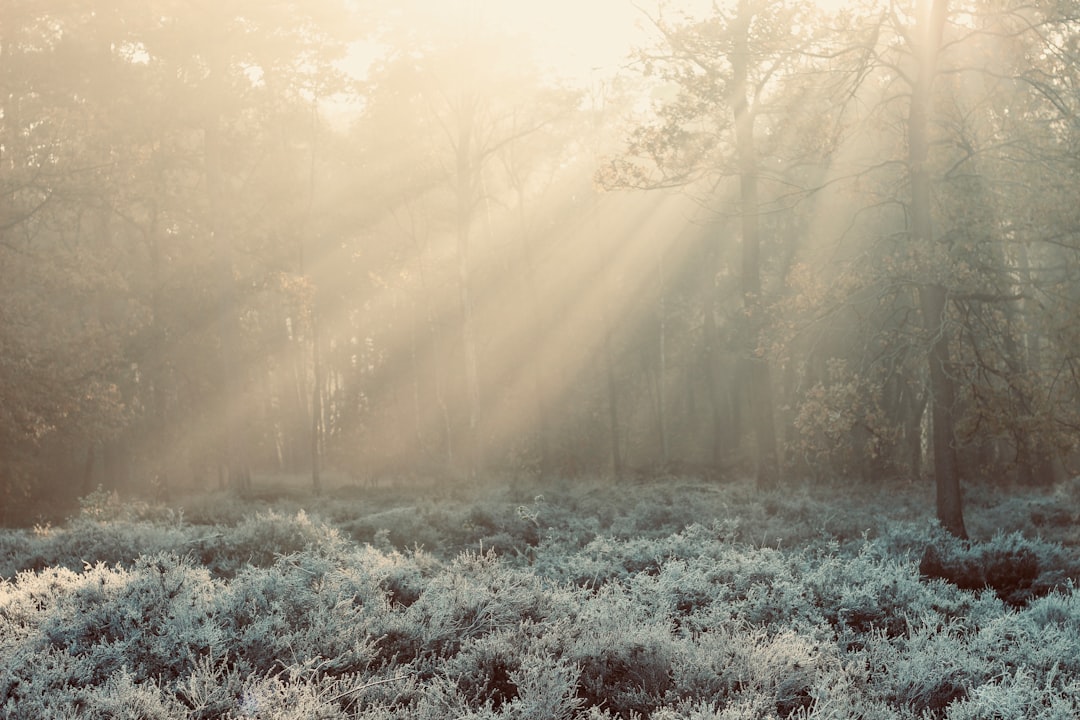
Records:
x=581, y=39
x=575, y=36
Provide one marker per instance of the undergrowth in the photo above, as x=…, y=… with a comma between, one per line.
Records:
x=681, y=601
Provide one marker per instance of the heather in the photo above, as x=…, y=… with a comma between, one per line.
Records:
x=674, y=599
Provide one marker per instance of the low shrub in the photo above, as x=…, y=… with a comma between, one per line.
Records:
x=625, y=651
x=664, y=614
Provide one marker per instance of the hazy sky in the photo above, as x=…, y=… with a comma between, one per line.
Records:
x=583, y=40
x=574, y=36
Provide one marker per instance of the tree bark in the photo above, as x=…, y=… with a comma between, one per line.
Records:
x=159, y=357
x=88, y=468
x=233, y=408
x=708, y=346
x=316, y=404
x=660, y=374
x=613, y=403
x=435, y=352
x=467, y=170
x=933, y=296
x=761, y=400
x=538, y=331
x=1044, y=458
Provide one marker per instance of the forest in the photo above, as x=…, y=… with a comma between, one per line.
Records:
x=360, y=244
x=605, y=360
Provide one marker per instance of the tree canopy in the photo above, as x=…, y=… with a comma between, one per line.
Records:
x=802, y=241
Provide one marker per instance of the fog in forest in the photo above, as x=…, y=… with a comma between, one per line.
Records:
x=360, y=243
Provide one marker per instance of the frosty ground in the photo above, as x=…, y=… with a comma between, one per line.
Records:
x=671, y=598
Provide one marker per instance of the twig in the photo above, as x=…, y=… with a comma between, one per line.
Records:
x=365, y=686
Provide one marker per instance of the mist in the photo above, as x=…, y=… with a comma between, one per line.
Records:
x=343, y=245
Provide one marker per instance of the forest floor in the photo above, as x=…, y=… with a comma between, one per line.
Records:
x=667, y=599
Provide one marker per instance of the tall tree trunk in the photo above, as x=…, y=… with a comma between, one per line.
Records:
x=88, y=468
x=231, y=393
x=159, y=359
x=294, y=400
x=708, y=346
x=933, y=297
x=660, y=376
x=316, y=359
x=416, y=374
x=1046, y=461
x=538, y=330
x=316, y=404
x=613, y=402
x=761, y=400
x=466, y=197
x=435, y=349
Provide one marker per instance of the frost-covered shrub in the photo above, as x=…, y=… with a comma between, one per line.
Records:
x=739, y=587
x=625, y=651
x=19, y=550
x=299, y=608
x=153, y=619
x=481, y=671
x=1057, y=609
x=925, y=672
x=625, y=511
x=399, y=642
x=703, y=671
x=288, y=697
x=74, y=641
x=741, y=710
x=402, y=581
x=214, y=687
x=494, y=526
x=902, y=539
x=1015, y=567
x=1058, y=567
x=440, y=699
x=107, y=506
x=710, y=607
x=123, y=697
x=475, y=596
x=43, y=682
x=88, y=541
x=782, y=668
x=755, y=586
x=401, y=527
x=681, y=589
x=259, y=540
x=867, y=592
x=608, y=559
x=546, y=688
x=779, y=674
x=618, y=560
x=115, y=542
x=217, y=509
x=653, y=516
x=1020, y=694
x=515, y=671
x=1022, y=640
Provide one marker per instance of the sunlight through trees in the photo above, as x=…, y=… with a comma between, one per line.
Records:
x=357, y=243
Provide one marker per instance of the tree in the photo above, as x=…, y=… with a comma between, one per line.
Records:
x=128, y=134
x=249, y=65
x=723, y=71
x=940, y=229
x=465, y=104
x=933, y=297
x=65, y=316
